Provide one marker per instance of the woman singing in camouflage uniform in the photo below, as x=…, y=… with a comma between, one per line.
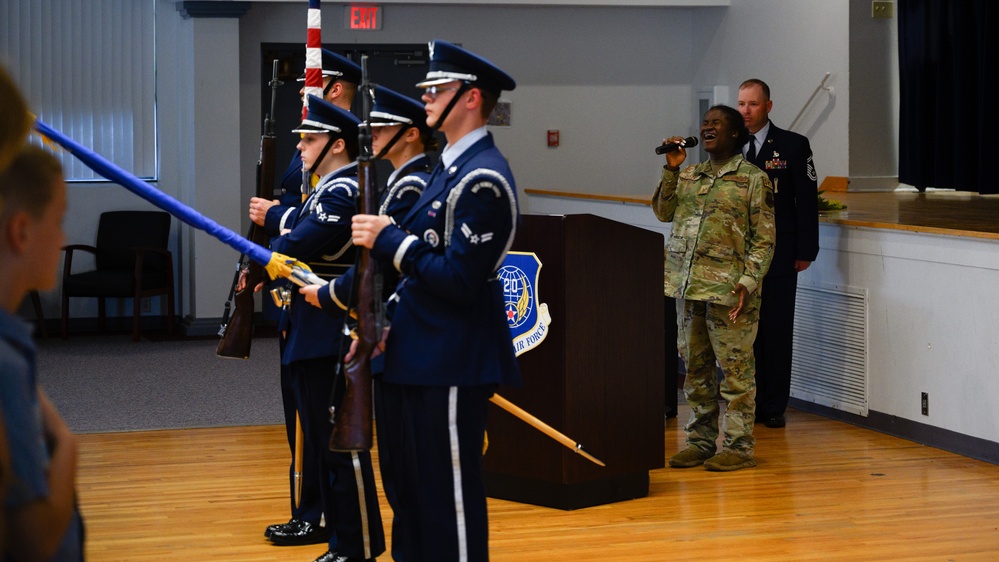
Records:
x=718, y=251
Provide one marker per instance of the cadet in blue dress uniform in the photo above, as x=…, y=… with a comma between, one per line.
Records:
x=318, y=235
x=399, y=134
x=341, y=77
x=449, y=345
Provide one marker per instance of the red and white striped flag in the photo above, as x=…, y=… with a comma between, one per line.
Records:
x=313, y=57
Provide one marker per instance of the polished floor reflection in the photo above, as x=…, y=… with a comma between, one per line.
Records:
x=823, y=490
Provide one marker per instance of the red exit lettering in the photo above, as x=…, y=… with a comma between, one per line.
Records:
x=364, y=17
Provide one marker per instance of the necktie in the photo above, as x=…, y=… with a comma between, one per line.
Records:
x=751, y=155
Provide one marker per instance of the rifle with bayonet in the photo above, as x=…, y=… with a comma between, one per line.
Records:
x=352, y=417
x=237, y=330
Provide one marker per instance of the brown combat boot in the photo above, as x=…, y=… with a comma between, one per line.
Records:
x=689, y=457
x=728, y=460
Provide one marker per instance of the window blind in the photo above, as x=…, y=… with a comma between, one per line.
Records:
x=88, y=70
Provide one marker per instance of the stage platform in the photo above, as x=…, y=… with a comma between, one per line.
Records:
x=955, y=213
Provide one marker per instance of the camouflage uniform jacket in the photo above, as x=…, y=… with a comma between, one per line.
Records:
x=723, y=230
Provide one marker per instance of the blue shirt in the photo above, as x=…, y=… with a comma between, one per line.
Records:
x=22, y=418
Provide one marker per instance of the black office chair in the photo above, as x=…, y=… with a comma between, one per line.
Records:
x=132, y=260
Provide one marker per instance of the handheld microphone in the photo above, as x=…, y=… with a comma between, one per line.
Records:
x=673, y=147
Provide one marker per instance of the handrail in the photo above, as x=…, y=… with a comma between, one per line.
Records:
x=821, y=86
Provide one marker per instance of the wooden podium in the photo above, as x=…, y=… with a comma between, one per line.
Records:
x=598, y=377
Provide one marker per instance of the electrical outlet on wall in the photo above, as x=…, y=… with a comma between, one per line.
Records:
x=924, y=403
x=882, y=9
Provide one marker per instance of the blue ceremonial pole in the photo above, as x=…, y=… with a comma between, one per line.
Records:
x=276, y=264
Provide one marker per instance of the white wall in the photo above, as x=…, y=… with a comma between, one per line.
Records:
x=873, y=138
x=790, y=45
x=175, y=129
x=933, y=316
x=598, y=75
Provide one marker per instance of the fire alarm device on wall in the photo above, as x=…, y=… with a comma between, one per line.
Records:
x=552, y=138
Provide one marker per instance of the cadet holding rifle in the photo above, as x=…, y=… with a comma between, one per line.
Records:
x=340, y=78
x=399, y=133
x=318, y=233
x=449, y=345
x=237, y=330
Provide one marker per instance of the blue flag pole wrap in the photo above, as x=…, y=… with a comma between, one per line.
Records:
x=276, y=264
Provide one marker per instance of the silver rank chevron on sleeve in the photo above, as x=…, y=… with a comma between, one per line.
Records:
x=473, y=237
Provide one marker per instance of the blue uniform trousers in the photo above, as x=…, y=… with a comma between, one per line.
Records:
x=346, y=480
x=437, y=473
x=386, y=413
x=774, y=344
x=310, y=507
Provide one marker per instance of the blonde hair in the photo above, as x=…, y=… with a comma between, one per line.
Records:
x=15, y=120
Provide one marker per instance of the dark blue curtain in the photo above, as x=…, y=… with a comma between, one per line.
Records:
x=948, y=51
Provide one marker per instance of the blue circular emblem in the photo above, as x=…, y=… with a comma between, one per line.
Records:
x=518, y=294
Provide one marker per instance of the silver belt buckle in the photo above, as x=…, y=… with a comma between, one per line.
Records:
x=281, y=296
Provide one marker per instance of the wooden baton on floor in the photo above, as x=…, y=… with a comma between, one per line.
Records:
x=543, y=427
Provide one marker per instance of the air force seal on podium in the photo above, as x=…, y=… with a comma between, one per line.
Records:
x=528, y=318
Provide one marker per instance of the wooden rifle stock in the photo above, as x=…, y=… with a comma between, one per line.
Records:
x=352, y=417
x=238, y=334
x=352, y=420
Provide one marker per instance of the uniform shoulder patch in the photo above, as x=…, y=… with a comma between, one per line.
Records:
x=484, y=179
x=347, y=184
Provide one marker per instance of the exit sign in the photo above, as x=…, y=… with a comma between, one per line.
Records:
x=363, y=17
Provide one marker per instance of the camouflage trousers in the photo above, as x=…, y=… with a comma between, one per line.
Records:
x=705, y=335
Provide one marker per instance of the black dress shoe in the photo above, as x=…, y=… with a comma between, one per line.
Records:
x=775, y=421
x=332, y=556
x=284, y=527
x=297, y=533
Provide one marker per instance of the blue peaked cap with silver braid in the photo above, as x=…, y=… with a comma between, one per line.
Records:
x=449, y=62
x=339, y=67
x=324, y=117
x=393, y=108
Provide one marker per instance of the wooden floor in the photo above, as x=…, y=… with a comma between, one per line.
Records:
x=823, y=490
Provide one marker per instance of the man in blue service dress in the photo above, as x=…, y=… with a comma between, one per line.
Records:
x=449, y=345
x=318, y=234
x=786, y=157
